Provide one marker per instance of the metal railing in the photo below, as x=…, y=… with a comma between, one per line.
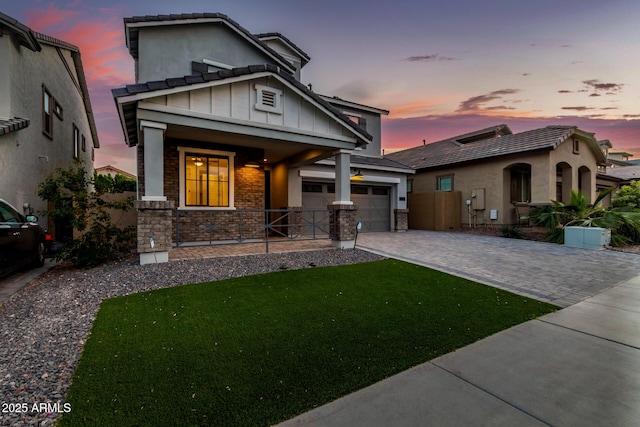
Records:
x=207, y=227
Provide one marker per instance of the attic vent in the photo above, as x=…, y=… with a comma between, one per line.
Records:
x=268, y=99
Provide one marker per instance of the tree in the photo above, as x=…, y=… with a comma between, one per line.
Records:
x=628, y=196
x=624, y=222
x=116, y=184
x=96, y=239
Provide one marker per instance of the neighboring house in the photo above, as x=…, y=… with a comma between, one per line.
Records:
x=46, y=119
x=624, y=174
x=113, y=171
x=496, y=171
x=223, y=126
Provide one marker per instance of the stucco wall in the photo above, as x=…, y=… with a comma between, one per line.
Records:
x=27, y=156
x=168, y=51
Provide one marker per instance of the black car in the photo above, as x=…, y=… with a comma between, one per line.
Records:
x=22, y=240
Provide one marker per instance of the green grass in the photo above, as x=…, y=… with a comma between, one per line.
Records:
x=260, y=349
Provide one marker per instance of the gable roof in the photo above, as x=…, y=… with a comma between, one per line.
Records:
x=270, y=36
x=25, y=36
x=133, y=24
x=453, y=151
x=128, y=112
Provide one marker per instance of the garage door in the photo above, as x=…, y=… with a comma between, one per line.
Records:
x=373, y=202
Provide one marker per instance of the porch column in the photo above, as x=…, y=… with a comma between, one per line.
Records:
x=155, y=212
x=153, y=134
x=343, y=220
x=343, y=178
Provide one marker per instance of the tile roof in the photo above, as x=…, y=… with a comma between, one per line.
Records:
x=452, y=151
x=11, y=125
x=625, y=173
x=132, y=32
x=378, y=161
x=186, y=81
x=373, y=162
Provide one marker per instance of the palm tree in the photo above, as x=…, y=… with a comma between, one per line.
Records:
x=622, y=221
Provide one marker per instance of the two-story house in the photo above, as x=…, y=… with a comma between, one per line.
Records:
x=46, y=120
x=224, y=129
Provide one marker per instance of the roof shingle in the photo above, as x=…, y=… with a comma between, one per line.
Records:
x=452, y=151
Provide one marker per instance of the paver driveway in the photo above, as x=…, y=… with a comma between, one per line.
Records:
x=545, y=271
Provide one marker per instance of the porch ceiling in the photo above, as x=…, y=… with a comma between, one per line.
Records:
x=275, y=150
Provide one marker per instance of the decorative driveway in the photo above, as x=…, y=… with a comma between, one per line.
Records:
x=544, y=271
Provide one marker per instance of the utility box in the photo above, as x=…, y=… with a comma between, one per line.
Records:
x=587, y=237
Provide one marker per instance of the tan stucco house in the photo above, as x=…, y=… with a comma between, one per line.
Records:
x=224, y=130
x=46, y=120
x=495, y=170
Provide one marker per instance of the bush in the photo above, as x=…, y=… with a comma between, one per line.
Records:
x=624, y=222
x=511, y=231
x=628, y=196
x=96, y=239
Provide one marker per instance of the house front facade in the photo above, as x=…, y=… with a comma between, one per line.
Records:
x=500, y=175
x=224, y=130
x=46, y=120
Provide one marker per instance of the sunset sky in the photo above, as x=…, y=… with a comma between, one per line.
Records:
x=442, y=68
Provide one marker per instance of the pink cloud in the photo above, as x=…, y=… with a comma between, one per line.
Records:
x=407, y=133
x=40, y=19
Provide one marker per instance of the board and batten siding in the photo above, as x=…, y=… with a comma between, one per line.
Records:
x=237, y=100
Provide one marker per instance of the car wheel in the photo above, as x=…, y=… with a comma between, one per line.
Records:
x=37, y=259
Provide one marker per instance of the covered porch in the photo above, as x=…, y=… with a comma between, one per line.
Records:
x=193, y=160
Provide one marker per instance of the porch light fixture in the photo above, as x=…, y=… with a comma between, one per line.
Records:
x=252, y=164
x=358, y=175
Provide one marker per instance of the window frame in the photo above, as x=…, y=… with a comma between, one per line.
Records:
x=76, y=141
x=47, y=112
x=183, y=151
x=576, y=146
x=440, y=178
x=58, y=110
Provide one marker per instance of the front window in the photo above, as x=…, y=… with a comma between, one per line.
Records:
x=206, y=180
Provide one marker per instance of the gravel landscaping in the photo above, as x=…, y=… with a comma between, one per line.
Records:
x=43, y=327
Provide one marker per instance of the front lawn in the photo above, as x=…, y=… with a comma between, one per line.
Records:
x=258, y=350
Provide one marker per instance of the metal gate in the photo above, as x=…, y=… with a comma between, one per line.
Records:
x=207, y=227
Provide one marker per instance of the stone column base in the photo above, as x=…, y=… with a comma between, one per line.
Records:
x=401, y=219
x=343, y=225
x=154, y=222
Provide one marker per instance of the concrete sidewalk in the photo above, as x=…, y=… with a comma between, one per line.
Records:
x=578, y=366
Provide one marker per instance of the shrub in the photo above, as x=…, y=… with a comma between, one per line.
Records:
x=511, y=231
x=96, y=239
x=624, y=222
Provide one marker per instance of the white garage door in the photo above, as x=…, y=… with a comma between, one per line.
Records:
x=373, y=202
